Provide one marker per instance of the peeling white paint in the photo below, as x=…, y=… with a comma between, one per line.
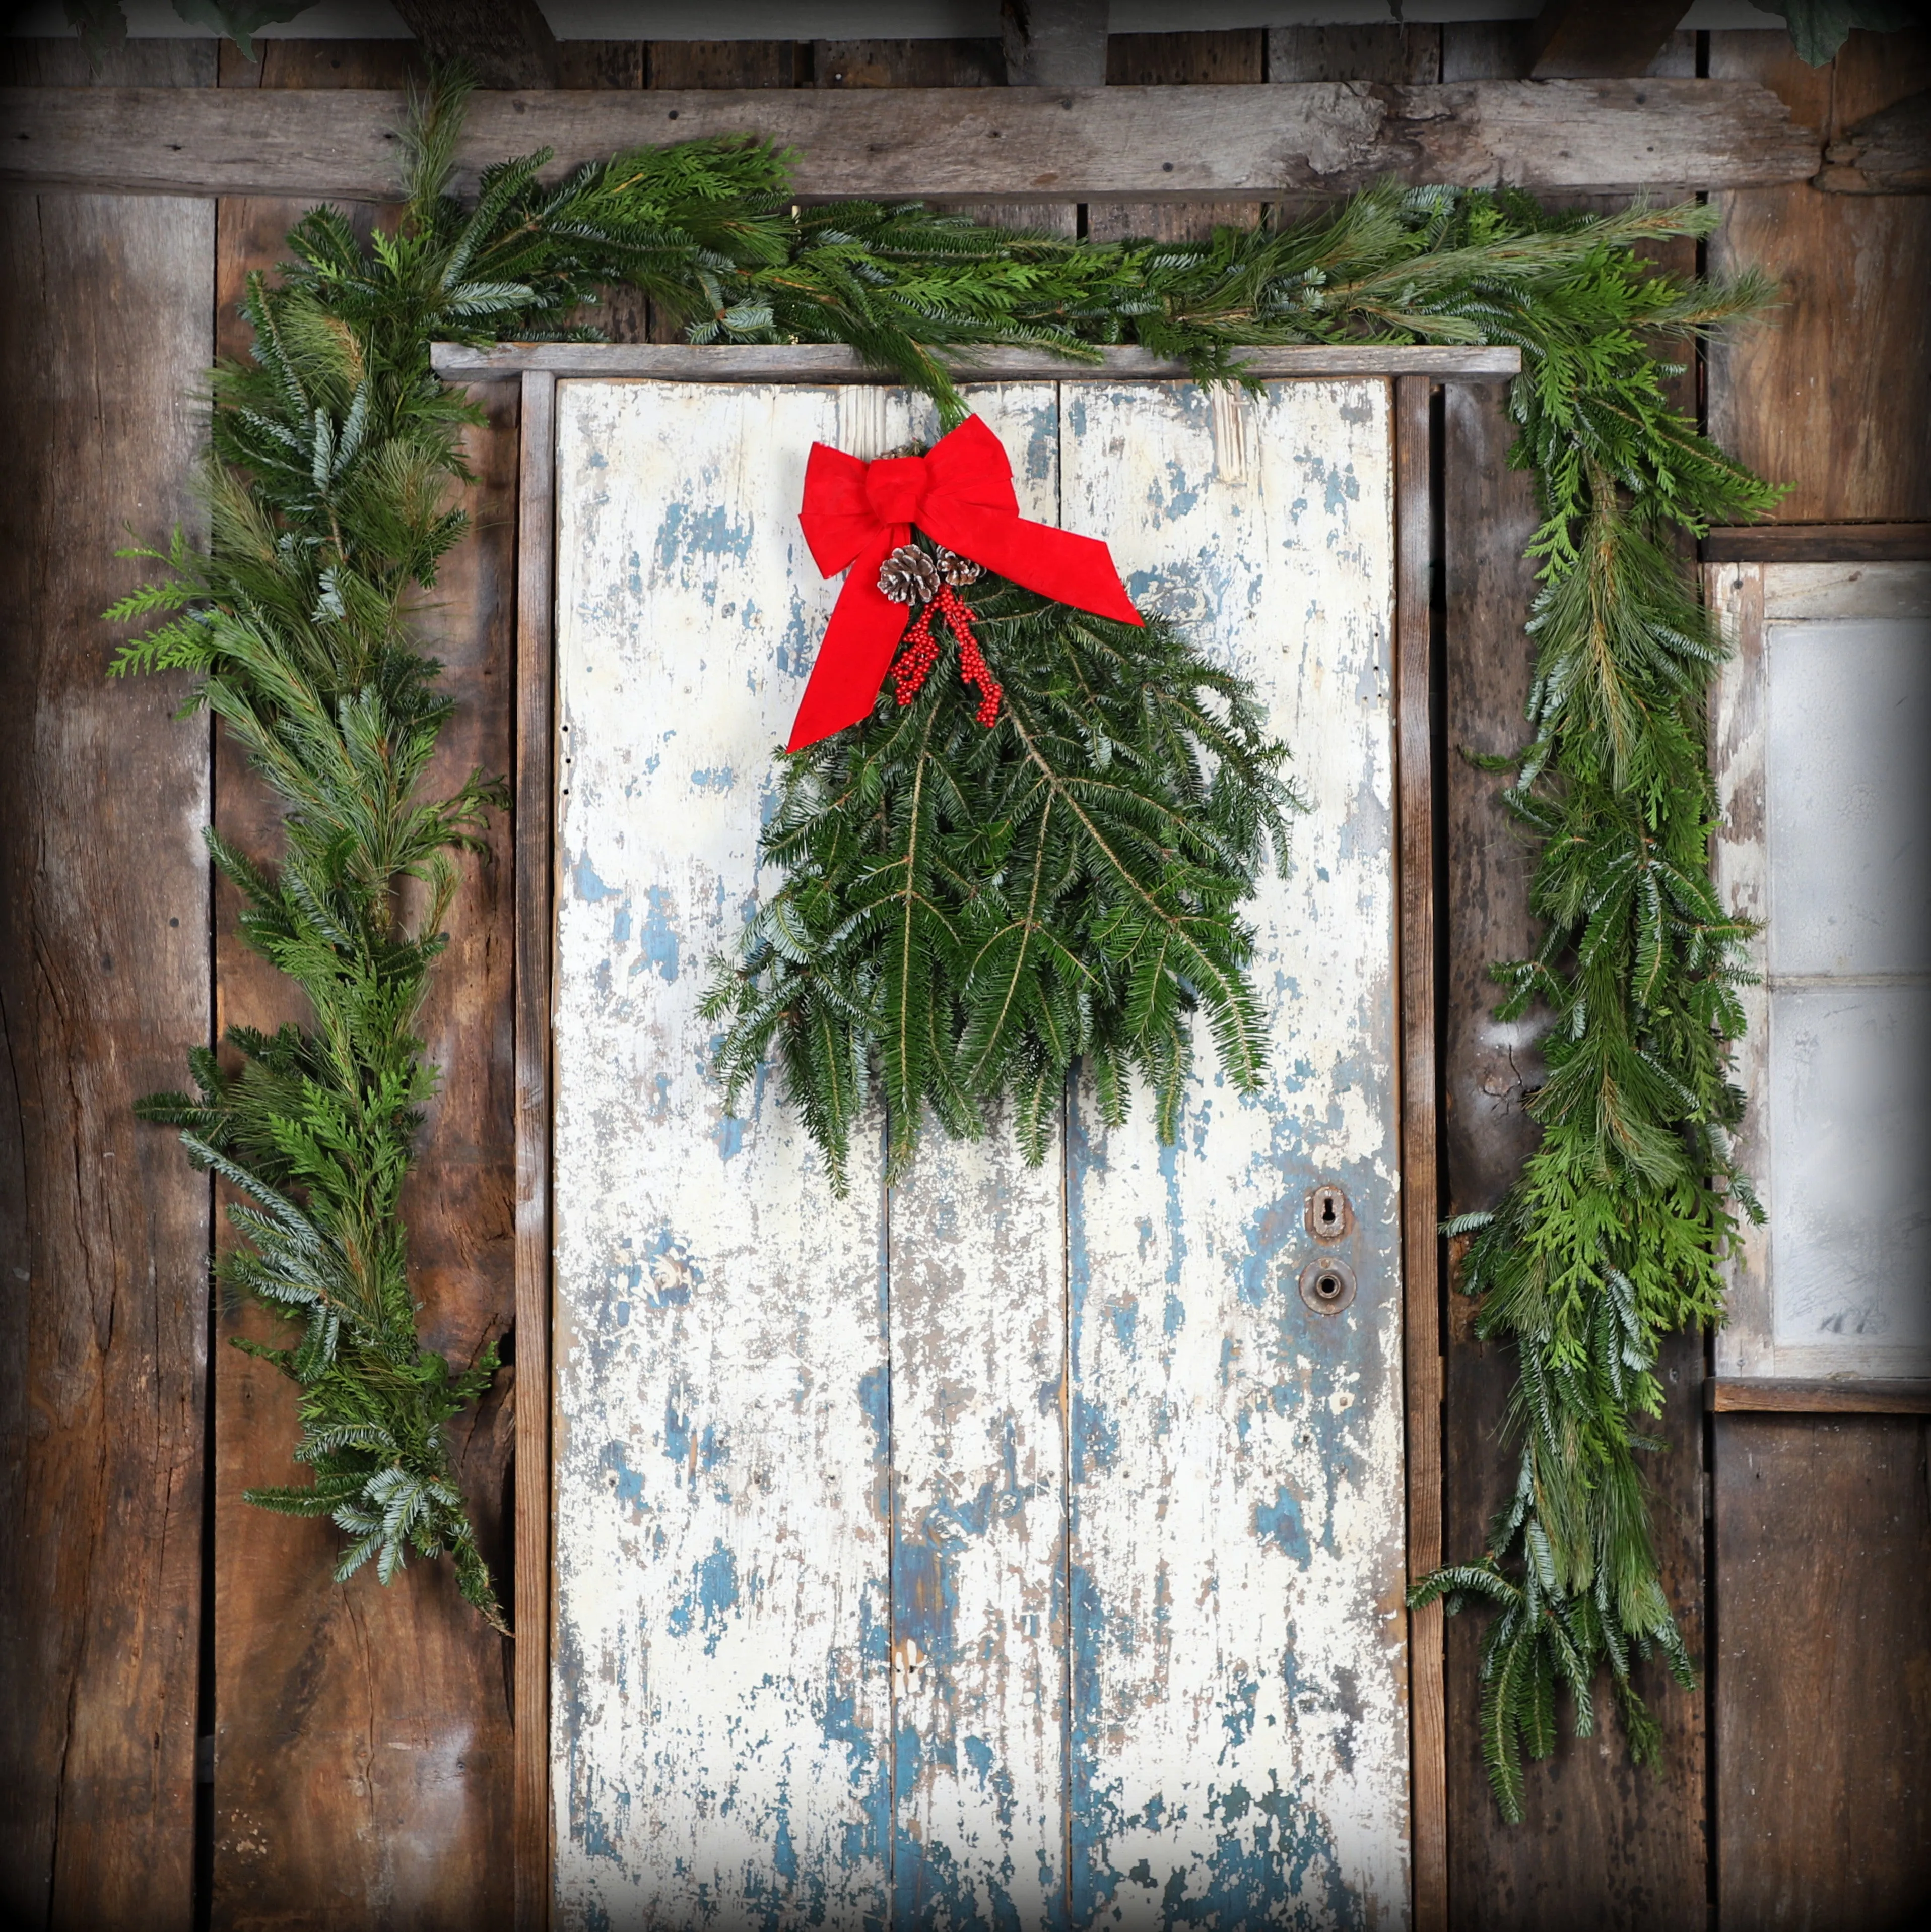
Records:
x=813, y=1514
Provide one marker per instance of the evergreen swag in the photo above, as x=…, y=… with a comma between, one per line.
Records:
x=973, y=908
x=333, y=450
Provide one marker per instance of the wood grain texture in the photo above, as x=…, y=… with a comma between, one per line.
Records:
x=1116, y=143
x=975, y=1274
x=1831, y=393
x=1823, y=1674
x=362, y=1735
x=1725, y=1395
x=103, y=988
x=1239, y=1723
x=1054, y=43
x=788, y=1430
x=721, y=1708
x=1603, y=1845
x=1196, y=59
x=504, y=43
x=1888, y=152
x=758, y=362
x=1422, y=1253
x=1575, y=40
x=534, y=892
x=1392, y=55
x=1819, y=543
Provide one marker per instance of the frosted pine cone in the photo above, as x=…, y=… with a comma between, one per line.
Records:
x=955, y=569
x=909, y=576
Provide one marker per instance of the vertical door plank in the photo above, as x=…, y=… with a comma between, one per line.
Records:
x=1421, y=1241
x=1239, y=1728
x=978, y=1329
x=722, y=1429
x=103, y=988
x=535, y=887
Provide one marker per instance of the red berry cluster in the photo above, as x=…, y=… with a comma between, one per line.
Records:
x=921, y=653
x=915, y=661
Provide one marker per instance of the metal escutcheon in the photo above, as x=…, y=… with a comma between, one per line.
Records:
x=1327, y=1285
x=1329, y=1218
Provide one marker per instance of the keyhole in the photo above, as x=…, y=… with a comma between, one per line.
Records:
x=1328, y=1216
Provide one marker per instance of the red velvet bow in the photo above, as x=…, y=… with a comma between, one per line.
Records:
x=961, y=495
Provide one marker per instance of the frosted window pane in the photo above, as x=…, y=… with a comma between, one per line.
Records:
x=1849, y=790
x=1850, y=1197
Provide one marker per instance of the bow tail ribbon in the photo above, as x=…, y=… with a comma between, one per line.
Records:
x=856, y=513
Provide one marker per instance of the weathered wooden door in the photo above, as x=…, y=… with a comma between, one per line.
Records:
x=1015, y=1547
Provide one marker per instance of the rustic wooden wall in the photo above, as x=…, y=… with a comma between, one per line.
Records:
x=1820, y=1676
x=104, y=981
x=361, y=1737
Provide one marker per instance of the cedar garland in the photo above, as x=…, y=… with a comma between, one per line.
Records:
x=333, y=452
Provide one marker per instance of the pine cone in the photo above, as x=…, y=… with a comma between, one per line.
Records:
x=909, y=576
x=955, y=569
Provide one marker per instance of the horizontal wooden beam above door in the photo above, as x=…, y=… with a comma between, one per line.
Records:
x=1011, y=143
x=822, y=362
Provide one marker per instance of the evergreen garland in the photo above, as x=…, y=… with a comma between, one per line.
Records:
x=332, y=452
x=974, y=909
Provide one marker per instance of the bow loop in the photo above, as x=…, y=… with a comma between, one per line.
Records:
x=960, y=494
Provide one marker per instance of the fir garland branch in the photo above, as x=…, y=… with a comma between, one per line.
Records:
x=333, y=450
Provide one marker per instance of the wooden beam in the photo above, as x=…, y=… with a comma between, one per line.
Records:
x=1583, y=39
x=832, y=362
x=504, y=43
x=1763, y=1395
x=1818, y=543
x=1890, y=153
x=1054, y=43
x=1130, y=143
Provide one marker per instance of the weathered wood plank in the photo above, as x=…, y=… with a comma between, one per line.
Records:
x=1831, y=393
x=103, y=986
x=721, y=1709
x=1421, y=1244
x=504, y=43
x=815, y=362
x=1054, y=42
x=1818, y=543
x=362, y=1767
x=1395, y=55
x=535, y=901
x=1239, y=1728
x=1199, y=58
x=977, y=1320
x=1887, y=153
x=1575, y=40
x=1823, y=1678
x=1807, y=1395
x=1603, y=1845
x=1124, y=143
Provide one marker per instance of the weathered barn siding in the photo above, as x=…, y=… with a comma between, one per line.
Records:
x=1083, y=1553
x=104, y=984
x=1829, y=395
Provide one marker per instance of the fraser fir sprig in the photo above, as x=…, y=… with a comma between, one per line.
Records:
x=969, y=910
x=334, y=449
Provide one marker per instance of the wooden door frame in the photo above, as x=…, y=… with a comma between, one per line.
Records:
x=1413, y=374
